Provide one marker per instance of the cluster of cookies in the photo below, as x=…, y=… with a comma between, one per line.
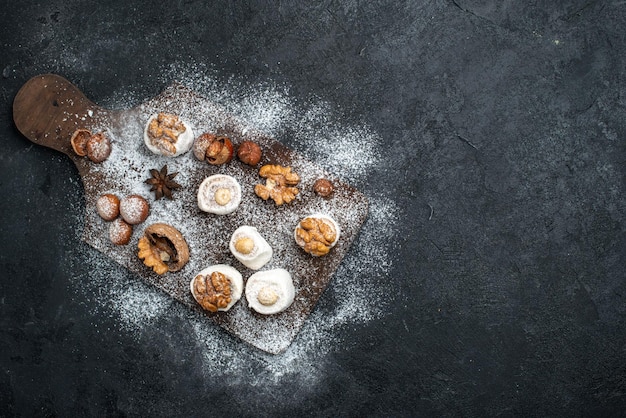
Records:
x=164, y=249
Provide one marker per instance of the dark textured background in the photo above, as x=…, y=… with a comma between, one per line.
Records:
x=507, y=117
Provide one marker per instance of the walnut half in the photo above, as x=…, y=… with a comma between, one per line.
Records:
x=317, y=234
x=212, y=291
x=163, y=248
x=279, y=184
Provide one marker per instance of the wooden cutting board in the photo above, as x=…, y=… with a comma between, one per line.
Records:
x=48, y=109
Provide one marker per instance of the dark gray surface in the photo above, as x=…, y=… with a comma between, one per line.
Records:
x=507, y=117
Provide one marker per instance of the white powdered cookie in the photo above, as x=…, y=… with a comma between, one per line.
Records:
x=219, y=194
x=270, y=292
x=250, y=248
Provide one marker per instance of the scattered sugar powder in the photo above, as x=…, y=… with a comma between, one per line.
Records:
x=359, y=289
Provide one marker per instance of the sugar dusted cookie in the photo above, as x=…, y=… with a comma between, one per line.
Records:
x=168, y=135
x=217, y=288
x=250, y=248
x=219, y=194
x=317, y=234
x=270, y=292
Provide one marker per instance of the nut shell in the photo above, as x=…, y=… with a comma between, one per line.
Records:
x=163, y=248
x=79, y=141
x=213, y=149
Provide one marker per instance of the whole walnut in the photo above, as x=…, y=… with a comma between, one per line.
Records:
x=249, y=153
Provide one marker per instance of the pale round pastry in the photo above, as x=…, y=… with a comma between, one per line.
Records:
x=219, y=194
x=233, y=276
x=317, y=234
x=249, y=247
x=270, y=292
x=171, y=140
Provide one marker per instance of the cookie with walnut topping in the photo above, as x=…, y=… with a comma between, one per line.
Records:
x=317, y=234
x=167, y=134
x=217, y=287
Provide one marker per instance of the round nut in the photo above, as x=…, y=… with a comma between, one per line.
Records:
x=120, y=232
x=249, y=153
x=323, y=187
x=267, y=296
x=98, y=147
x=201, y=144
x=108, y=206
x=134, y=209
x=222, y=196
x=244, y=245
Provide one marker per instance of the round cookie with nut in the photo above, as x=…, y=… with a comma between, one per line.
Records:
x=317, y=234
x=219, y=194
x=217, y=288
x=250, y=248
x=168, y=135
x=270, y=292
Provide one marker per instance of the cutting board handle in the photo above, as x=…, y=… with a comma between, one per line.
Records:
x=48, y=109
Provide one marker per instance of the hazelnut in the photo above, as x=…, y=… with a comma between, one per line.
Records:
x=98, y=147
x=222, y=196
x=267, y=296
x=134, y=209
x=244, y=245
x=323, y=187
x=249, y=153
x=120, y=232
x=108, y=206
x=213, y=149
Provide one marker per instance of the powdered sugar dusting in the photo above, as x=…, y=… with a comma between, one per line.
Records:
x=318, y=133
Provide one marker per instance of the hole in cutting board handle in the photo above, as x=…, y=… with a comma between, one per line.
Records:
x=48, y=109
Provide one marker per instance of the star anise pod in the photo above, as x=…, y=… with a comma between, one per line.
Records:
x=162, y=183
